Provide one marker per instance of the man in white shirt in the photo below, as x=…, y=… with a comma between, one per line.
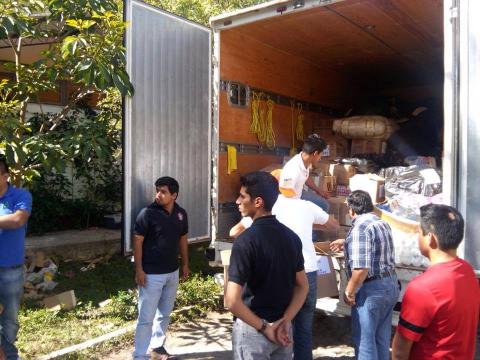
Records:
x=300, y=215
x=296, y=173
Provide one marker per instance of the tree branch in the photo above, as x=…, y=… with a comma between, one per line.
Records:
x=61, y=115
x=10, y=41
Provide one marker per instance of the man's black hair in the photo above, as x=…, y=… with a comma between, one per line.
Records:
x=313, y=143
x=3, y=164
x=360, y=202
x=445, y=222
x=169, y=182
x=263, y=185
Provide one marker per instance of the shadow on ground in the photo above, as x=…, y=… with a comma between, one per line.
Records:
x=331, y=330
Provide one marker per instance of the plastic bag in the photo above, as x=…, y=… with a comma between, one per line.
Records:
x=412, y=179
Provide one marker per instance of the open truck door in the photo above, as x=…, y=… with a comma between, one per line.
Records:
x=462, y=119
x=167, y=122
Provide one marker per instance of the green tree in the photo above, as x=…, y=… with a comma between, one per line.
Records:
x=85, y=48
x=201, y=10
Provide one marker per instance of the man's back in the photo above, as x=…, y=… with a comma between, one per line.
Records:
x=299, y=216
x=440, y=311
x=266, y=257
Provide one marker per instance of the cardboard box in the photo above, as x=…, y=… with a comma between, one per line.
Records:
x=367, y=146
x=322, y=247
x=339, y=210
x=343, y=231
x=326, y=235
x=66, y=300
x=328, y=184
x=371, y=183
x=337, y=146
x=342, y=173
x=322, y=168
x=326, y=277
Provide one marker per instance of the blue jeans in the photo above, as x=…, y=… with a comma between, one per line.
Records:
x=249, y=344
x=155, y=303
x=317, y=200
x=302, y=324
x=11, y=291
x=372, y=318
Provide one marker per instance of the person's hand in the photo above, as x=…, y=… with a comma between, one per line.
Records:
x=185, y=272
x=2, y=354
x=270, y=332
x=349, y=298
x=337, y=245
x=140, y=277
x=283, y=332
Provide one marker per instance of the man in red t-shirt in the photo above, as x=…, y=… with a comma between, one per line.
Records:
x=440, y=309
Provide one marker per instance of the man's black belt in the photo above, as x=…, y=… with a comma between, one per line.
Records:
x=383, y=275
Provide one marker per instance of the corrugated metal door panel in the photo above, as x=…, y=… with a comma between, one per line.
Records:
x=167, y=121
x=467, y=13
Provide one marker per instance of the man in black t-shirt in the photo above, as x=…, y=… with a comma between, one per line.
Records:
x=160, y=233
x=267, y=283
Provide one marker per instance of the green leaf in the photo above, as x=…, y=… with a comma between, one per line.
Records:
x=85, y=65
x=86, y=24
x=74, y=23
x=88, y=76
x=69, y=46
x=117, y=80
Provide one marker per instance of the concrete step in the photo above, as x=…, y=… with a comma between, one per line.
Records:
x=76, y=244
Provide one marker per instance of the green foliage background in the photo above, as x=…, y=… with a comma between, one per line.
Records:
x=201, y=10
x=87, y=52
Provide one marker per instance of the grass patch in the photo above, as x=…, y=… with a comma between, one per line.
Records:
x=43, y=331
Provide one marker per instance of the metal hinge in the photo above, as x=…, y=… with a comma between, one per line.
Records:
x=453, y=12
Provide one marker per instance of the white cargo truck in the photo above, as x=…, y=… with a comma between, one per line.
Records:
x=193, y=88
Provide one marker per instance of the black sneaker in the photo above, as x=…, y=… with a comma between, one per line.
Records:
x=161, y=354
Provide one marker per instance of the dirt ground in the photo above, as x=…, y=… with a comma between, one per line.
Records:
x=210, y=339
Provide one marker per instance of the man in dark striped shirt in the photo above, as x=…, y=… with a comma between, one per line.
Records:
x=372, y=288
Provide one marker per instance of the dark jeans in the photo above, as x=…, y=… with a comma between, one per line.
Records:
x=11, y=291
x=302, y=324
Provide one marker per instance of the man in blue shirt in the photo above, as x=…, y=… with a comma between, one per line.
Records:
x=15, y=208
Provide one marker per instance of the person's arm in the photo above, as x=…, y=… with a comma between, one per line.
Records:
x=357, y=279
x=236, y=230
x=137, y=256
x=311, y=184
x=15, y=220
x=2, y=354
x=235, y=304
x=331, y=224
x=300, y=293
x=184, y=256
x=401, y=347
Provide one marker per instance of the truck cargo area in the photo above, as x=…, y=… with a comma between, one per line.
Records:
x=346, y=58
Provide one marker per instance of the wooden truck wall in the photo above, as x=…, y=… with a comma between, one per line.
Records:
x=248, y=61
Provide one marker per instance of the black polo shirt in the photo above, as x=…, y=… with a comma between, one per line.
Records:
x=161, y=232
x=266, y=258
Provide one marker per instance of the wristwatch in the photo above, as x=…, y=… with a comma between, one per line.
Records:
x=264, y=326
